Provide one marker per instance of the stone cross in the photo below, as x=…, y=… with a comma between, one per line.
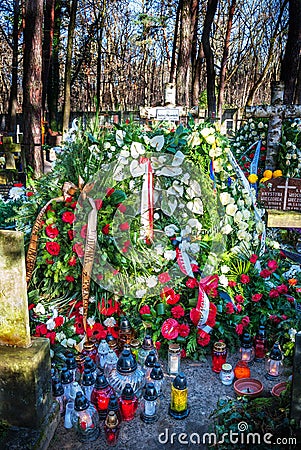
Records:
x=275, y=112
x=286, y=188
x=14, y=318
x=8, y=147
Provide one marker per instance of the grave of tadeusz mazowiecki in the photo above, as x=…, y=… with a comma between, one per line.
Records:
x=26, y=404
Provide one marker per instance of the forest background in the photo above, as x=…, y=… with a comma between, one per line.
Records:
x=58, y=56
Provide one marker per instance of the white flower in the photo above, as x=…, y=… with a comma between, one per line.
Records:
x=259, y=227
x=137, y=149
x=60, y=336
x=54, y=311
x=225, y=198
x=238, y=217
x=159, y=249
x=170, y=230
x=170, y=255
x=71, y=342
x=106, y=145
x=244, y=236
x=156, y=216
x=223, y=280
x=16, y=192
x=94, y=149
x=225, y=269
x=288, y=143
x=194, y=139
x=151, y=281
x=260, y=125
x=50, y=324
x=109, y=322
x=246, y=214
x=231, y=209
x=91, y=321
x=226, y=229
x=119, y=136
x=195, y=223
x=194, y=248
x=205, y=132
x=243, y=226
x=157, y=142
x=39, y=309
x=140, y=293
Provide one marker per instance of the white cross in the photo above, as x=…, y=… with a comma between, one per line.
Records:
x=286, y=187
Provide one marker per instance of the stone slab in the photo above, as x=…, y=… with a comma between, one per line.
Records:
x=281, y=194
x=25, y=384
x=14, y=317
x=284, y=219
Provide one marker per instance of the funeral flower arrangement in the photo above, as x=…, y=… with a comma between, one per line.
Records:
x=173, y=227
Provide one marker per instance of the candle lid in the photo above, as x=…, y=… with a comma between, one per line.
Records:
x=150, y=392
x=127, y=392
x=81, y=402
x=135, y=343
x=57, y=388
x=174, y=348
x=111, y=420
x=113, y=403
x=226, y=367
x=66, y=376
x=180, y=381
x=147, y=343
x=151, y=359
x=157, y=372
x=101, y=381
x=275, y=353
x=70, y=361
x=125, y=324
x=126, y=362
x=219, y=346
x=88, y=378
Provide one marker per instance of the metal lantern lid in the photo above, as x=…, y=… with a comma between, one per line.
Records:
x=151, y=359
x=101, y=381
x=111, y=358
x=113, y=403
x=125, y=325
x=126, y=362
x=147, y=343
x=111, y=420
x=66, y=376
x=57, y=388
x=246, y=341
x=275, y=353
x=157, y=372
x=88, y=378
x=89, y=364
x=70, y=361
x=81, y=402
x=261, y=331
x=180, y=382
x=89, y=346
x=150, y=393
x=128, y=392
x=174, y=348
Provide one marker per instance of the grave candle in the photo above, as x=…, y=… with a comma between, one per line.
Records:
x=274, y=362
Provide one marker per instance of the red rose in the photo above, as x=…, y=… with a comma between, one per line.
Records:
x=184, y=330
x=164, y=277
x=69, y=278
x=51, y=231
x=231, y=283
x=98, y=203
x=122, y=208
x=245, y=279
x=51, y=336
x=78, y=249
x=239, y=298
x=239, y=329
x=29, y=194
x=59, y=320
x=158, y=345
x=273, y=293
x=229, y=308
x=245, y=321
x=265, y=273
x=71, y=234
x=169, y=329
x=109, y=191
x=253, y=258
x=72, y=261
x=192, y=283
x=256, y=297
x=272, y=265
x=106, y=229
x=145, y=309
x=282, y=289
x=68, y=217
x=203, y=338
x=83, y=231
x=53, y=248
x=124, y=226
x=41, y=329
x=177, y=312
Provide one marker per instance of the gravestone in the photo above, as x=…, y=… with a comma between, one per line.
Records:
x=281, y=197
x=25, y=368
x=275, y=112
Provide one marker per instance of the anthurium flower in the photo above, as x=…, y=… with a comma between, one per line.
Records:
x=170, y=329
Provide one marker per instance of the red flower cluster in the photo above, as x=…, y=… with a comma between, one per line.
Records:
x=145, y=309
x=171, y=329
x=178, y=312
x=109, y=307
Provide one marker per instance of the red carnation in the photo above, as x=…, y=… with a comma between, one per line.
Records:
x=183, y=353
x=53, y=248
x=229, y=308
x=78, y=249
x=158, y=345
x=239, y=298
x=177, y=311
x=253, y=258
x=72, y=261
x=124, y=226
x=59, y=321
x=41, y=329
x=106, y=229
x=245, y=279
x=29, y=194
x=68, y=217
x=272, y=265
x=145, y=309
x=184, y=330
x=49, y=261
x=265, y=273
x=212, y=315
x=282, y=289
x=51, y=336
x=239, y=329
x=192, y=283
x=273, y=293
x=69, y=278
x=238, y=308
x=256, y=297
x=170, y=329
x=231, y=283
x=164, y=277
x=195, y=316
x=203, y=338
x=51, y=231
x=245, y=321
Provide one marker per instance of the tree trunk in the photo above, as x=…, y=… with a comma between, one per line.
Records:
x=13, y=97
x=173, y=65
x=197, y=76
x=32, y=86
x=47, y=46
x=224, y=61
x=291, y=61
x=211, y=97
x=68, y=67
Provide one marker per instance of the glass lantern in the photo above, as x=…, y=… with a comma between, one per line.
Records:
x=125, y=332
x=85, y=419
x=80, y=361
x=149, y=404
x=260, y=344
x=246, y=351
x=111, y=362
x=226, y=374
x=67, y=380
x=274, y=363
x=174, y=359
x=135, y=346
x=111, y=428
x=149, y=363
x=157, y=377
x=71, y=364
x=102, y=353
x=242, y=370
x=74, y=389
x=101, y=394
x=178, y=408
x=112, y=343
x=114, y=406
x=127, y=372
x=90, y=350
x=128, y=403
x=146, y=347
x=58, y=393
x=88, y=382
x=219, y=356
x=90, y=364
